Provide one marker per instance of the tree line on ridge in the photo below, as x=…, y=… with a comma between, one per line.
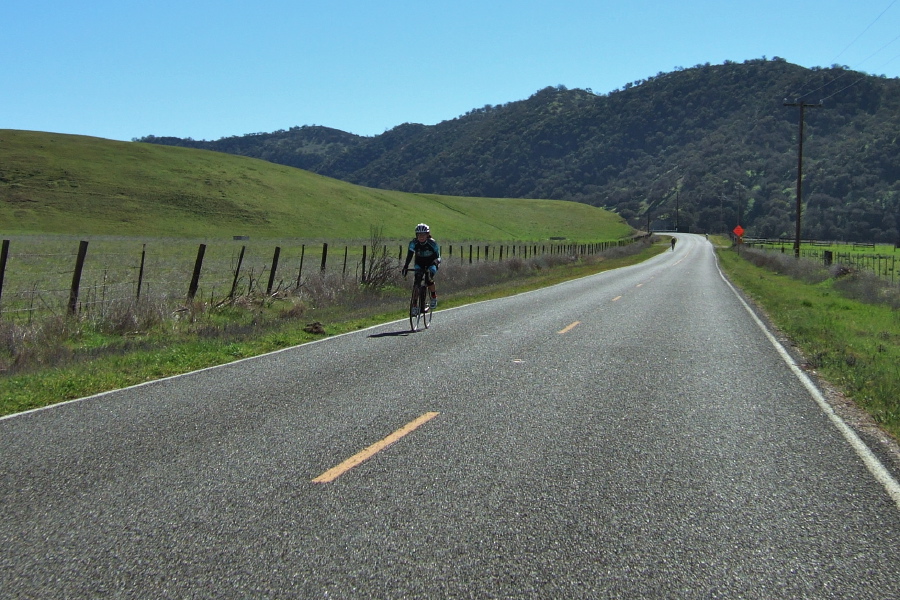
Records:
x=704, y=149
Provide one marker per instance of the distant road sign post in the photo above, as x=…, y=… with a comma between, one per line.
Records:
x=739, y=232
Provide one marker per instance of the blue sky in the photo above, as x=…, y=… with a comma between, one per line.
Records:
x=202, y=69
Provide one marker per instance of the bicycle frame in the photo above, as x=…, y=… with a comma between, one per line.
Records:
x=419, y=309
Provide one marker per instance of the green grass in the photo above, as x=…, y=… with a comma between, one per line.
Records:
x=788, y=247
x=57, y=189
x=82, y=186
x=853, y=345
x=881, y=259
x=173, y=356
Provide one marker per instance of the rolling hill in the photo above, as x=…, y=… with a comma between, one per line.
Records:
x=713, y=144
x=64, y=184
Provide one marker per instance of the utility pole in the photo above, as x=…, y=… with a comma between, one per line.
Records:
x=677, y=193
x=802, y=106
x=722, y=212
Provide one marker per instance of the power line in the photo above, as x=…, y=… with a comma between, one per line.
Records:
x=834, y=60
x=884, y=64
x=882, y=48
x=799, y=96
x=879, y=50
x=863, y=76
x=855, y=67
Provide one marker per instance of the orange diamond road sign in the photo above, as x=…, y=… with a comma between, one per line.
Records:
x=738, y=231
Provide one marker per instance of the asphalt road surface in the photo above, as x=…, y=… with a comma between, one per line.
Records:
x=630, y=434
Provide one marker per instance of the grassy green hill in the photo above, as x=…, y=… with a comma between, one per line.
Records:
x=713, y=142
x=64, y=184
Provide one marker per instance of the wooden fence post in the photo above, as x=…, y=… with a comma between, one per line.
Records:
x=195, y=278
x=362, y=277
x=237, y=273
x=324, y=255
x=4, y=255
x=300, y=272
x=76, y=277
x=140, y=282
x=272, y=272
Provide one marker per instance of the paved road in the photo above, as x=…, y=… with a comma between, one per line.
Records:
x=631, y=434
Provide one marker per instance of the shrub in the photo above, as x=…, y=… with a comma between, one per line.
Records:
x=381, y=269
x=103, y=325
x=857, y=285
x=38, y=343
x=123, y=317
x=804, y=269
x=868, y=287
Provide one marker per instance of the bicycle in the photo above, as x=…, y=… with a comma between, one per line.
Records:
x=419, y=305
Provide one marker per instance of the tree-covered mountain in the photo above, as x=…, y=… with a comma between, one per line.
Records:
x=704, y=148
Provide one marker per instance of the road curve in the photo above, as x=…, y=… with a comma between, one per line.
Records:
x=630, y=434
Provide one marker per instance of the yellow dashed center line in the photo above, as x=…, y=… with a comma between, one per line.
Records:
x=617, y=298
x=335, y=472
x=570, y=327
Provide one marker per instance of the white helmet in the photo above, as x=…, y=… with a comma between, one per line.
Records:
x=422, y=228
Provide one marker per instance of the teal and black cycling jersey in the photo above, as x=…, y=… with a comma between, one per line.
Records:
x=426, y=254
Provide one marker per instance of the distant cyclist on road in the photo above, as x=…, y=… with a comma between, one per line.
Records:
x=673, y=244
x=428, y=257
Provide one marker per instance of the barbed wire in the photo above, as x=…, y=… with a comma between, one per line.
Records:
x=45, y=288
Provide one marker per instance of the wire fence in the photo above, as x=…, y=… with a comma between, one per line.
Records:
x=882, y=260
x=40, y=275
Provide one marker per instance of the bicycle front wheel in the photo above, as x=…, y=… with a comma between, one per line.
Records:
x=426, y=310
x=415, y=309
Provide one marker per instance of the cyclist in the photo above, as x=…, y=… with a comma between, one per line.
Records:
x=428, y=256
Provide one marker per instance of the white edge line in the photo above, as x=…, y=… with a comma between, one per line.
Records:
x=227, y=364
x=162, y=379
x=259, y=356
x=875, y=466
